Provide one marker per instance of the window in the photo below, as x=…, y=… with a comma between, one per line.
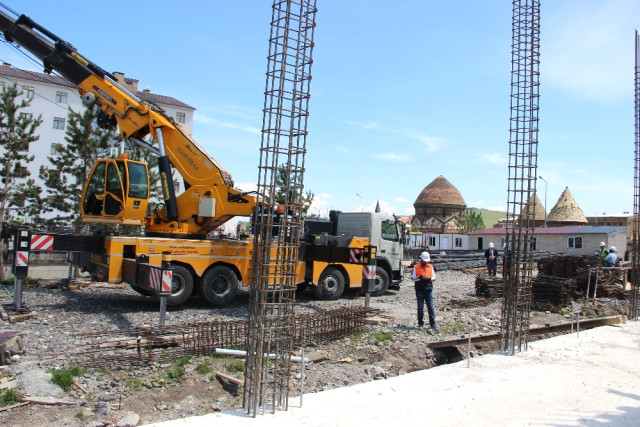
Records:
x=55, y=148
x=432, y=241
x=61, y=97
x=28, y=91
x=390, y=231
x=25, y=116
x=181, y=117
x=574, y=242
x=58, y=123
x=502, y=242
x=457, y=243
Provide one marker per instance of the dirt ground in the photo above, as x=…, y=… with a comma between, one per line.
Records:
x=126, y=395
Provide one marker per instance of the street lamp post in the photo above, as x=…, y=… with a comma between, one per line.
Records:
x=361, y=202
x=545, y=200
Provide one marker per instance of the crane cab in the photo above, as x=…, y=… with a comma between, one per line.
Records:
x=117, y=192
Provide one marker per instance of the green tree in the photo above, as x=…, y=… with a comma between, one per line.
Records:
x=72, y=163
x=17, y=131
x=282, y=181
x=471, y=220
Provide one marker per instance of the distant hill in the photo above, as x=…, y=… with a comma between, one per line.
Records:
x=490, y=218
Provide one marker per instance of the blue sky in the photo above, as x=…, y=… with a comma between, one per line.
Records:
x=402, y=91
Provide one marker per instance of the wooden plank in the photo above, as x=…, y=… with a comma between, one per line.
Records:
x=229, y=378
x=46, y=400
x=17, y=405
x=561, y=327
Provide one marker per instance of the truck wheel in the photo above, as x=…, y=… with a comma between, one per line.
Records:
x=331, y=284
x=219, y=285
x=181, y=286
x=382, y=282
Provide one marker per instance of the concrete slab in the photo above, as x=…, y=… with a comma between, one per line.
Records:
x=588, y=380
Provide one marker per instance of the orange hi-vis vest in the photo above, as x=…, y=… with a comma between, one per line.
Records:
x=424, y=270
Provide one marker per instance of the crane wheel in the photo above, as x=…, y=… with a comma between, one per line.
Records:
x=219, y=285
x=181, y=285
x=331, y=284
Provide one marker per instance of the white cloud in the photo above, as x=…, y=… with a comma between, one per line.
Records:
x=363, y=125
x=394, y=157
x=589, y=49
x=495, y=158
x=432, y=143
x=401, y=200
x=226, y=125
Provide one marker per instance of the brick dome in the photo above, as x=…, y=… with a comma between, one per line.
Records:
x=440, y=192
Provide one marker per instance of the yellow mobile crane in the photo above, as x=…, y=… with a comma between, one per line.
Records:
x=117, y=192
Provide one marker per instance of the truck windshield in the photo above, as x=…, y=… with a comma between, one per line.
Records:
x=390, y=231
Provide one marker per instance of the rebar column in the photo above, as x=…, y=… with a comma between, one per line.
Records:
x=522, y=173
x=278, y=219
x=635, y=293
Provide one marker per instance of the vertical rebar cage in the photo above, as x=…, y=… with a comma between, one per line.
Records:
x=522, y=173
x=278, y=218
x=635, y=293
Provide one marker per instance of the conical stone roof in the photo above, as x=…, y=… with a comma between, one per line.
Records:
x=440, y=192
x=528, y=209
x=566, y=209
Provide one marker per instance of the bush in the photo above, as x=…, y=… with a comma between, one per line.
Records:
x=63, y=378
x=383, y=336
x=9, y=397
x=235, y=366
x=203, y=369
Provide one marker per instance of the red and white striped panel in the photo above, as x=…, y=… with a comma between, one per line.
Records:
x=167, y=278
x=356, y=256
x=22, y=258
x=368, y=272
x=155, y=278
x=41, y=242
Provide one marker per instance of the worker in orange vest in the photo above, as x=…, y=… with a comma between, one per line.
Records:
x=423, y=276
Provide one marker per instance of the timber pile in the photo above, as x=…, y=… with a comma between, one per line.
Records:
x=489, y=287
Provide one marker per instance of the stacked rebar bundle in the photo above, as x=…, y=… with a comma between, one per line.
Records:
x=634, y=296
x=279, y=208
x=489, y=286
x=522, y=173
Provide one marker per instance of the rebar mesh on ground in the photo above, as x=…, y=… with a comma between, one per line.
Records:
x=634, y=296
x=141, y=346
x=522, y=173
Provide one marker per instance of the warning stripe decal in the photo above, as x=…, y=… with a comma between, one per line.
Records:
x=41, y=242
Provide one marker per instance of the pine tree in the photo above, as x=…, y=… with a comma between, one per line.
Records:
x=305, y=199
x=72, y=163
x=17, y=131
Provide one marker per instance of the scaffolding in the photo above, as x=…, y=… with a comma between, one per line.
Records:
x=278, y=216
x=635, y=294
x=522, y=174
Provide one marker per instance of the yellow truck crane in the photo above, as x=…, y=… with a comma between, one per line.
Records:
x=117, y=192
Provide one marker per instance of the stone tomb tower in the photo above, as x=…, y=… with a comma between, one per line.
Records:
x=438, y=207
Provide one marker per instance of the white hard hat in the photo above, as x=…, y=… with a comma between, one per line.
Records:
x=612, y=248
x=491, y=244
x=425, y=256
x=602, y=244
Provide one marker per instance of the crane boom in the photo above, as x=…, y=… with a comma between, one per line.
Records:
x=210, y=198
